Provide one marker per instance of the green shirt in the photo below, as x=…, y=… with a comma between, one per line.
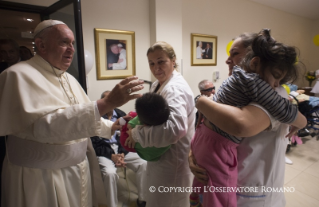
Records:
x=147, y=153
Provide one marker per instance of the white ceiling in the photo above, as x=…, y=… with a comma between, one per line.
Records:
x=303, y=8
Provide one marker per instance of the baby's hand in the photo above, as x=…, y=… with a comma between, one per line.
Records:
x=130, y=141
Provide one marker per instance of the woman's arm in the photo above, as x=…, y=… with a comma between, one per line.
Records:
x=241, y=122
x=300, y=121
x=175, y=128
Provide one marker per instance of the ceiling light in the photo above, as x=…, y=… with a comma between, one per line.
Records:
x=30, y=20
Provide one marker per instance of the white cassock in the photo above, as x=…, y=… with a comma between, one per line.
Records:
x=121, y=65
x=38, y=108
x=170, y=175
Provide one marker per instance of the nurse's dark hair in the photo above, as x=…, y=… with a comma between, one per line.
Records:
x=273, y=56
x=164, y=46
x=246, y=39
x=152, y=109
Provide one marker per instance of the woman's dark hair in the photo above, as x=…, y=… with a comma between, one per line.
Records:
x=246, y=39
x=273, y=55
x=152, y=109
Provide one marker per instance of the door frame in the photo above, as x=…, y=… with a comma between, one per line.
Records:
x=45, y=13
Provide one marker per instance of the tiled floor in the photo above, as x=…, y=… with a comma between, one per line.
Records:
x=303, y=174
x=127, y=191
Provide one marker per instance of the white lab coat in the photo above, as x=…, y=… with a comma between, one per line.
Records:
x=261, y=163
x=172, y=169
x=34, y=107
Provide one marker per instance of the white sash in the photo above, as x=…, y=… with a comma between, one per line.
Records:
x=32, y=154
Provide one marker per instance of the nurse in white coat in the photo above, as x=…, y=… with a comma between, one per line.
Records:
x=170, y=176
x=261, y=156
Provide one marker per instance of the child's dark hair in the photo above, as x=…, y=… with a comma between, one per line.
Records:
x=152, y=109
x=273, y=55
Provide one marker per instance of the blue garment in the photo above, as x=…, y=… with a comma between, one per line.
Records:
x=292, y=87
x=313, y=101
x=114, y=118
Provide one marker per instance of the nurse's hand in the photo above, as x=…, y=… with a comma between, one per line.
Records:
x=292, y=131
x=129, y=142
x=199, y=173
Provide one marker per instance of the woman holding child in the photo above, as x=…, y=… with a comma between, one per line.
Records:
x=170, y=175
x=258, y=158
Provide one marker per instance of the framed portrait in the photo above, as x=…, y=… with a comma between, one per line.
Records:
x=115, y=53
x=203, y=50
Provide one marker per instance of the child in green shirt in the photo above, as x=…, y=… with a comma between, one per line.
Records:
x=151, y=109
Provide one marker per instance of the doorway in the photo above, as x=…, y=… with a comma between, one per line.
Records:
x=20, y=17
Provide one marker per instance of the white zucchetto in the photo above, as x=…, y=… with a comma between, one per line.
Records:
x=45, y=24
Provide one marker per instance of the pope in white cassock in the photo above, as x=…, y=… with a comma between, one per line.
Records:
x=48, y=118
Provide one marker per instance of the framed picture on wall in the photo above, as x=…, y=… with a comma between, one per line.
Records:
x=203, y=50
x=115, y=53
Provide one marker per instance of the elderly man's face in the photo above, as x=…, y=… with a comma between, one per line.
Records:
x=10, y=54
x=59, y=48
x=209, y=89
x=115, y=49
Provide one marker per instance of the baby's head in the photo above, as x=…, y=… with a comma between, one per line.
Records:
x=271, y=59
x=152, y=109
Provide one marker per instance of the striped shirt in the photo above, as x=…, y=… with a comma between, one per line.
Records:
x=241, y=88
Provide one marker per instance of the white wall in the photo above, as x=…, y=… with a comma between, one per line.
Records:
x=229, y=18
x=314, y=55
x=130, y=15
x=222, y=18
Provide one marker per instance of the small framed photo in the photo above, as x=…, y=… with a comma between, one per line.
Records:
x=203, y=50
x=115, y=53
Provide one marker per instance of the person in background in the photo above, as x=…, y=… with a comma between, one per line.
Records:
x=111, y=155
x=9, y=54
x=245, y=122
x=199, y=50
x=25, y=53
x=48, y=118
x=170, y=170
x=208, y=54
x=206, y=88
x=112, y=56
x=121, y=63
x=9, y=50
